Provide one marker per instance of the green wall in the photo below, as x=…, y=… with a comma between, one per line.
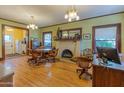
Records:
x=87, y=25
x=34, y=34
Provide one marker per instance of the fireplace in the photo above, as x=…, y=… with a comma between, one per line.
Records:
x=67, y=53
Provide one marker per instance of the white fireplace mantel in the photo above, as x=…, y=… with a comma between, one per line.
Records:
x=74, y=47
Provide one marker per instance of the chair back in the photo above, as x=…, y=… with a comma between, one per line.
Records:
x=30, y=51
x=88, y=53
x=56, y=52
x=35, y=54
x=53, y=53
x=83, y=62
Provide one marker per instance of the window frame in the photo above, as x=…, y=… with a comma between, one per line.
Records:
x=118, y=35
x=44, y=35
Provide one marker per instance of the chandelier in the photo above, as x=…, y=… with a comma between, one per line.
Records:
x=32, y=25
x=71, y=14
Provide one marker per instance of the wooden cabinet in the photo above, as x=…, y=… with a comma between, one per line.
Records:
x=115, y=77
x=100, y=76
x=122, y=78
x=107, y=77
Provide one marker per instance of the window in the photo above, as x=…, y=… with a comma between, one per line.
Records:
x=107, y=36
x=8, y=38
x=47, y=39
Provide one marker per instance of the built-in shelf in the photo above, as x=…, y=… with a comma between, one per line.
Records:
x=68, y=39
x=69, y=35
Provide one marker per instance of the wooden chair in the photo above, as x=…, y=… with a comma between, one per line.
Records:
x=88, y=53
x=84, y=64
x=52, y=55
x=35, y=57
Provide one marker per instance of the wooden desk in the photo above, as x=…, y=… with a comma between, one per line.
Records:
x=108, y=76
x=6, y=76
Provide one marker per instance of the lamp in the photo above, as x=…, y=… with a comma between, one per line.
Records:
x=32, y=25
x=71, y=14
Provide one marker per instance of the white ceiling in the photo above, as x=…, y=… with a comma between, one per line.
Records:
x=46, y=15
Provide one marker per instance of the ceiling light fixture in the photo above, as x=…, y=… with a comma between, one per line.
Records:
x=72, y=14
x=32, y=25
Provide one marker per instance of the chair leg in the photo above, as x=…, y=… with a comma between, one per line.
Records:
x=89, y=74
x=77, y=70
x=35, y=62
x=29, y=60
x=82, y=71
x=54, y=60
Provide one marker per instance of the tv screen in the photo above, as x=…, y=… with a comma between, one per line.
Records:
x=111, y=54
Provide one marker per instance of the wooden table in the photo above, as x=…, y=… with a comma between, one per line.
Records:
x=44, y=49
x=6, y=75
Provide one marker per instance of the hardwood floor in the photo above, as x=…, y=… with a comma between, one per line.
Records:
x=59, y=74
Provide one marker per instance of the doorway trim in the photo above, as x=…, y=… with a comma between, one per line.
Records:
x=3, y=40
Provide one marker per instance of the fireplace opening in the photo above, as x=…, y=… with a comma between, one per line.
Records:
x=67, y=53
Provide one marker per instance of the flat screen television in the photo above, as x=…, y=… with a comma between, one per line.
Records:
x=111, y=54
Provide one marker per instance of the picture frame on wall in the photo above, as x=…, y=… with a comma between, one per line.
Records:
x=65, y=34
x=87, y=36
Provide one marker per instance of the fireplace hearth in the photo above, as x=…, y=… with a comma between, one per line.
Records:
x=67, y=53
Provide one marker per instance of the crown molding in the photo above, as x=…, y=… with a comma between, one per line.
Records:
x=13, y=21
x=82, y=19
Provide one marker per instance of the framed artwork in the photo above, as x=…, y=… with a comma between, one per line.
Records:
x=72, y=33
x=64, y=34
x=87, y=36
